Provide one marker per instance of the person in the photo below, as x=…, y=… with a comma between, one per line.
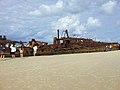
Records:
x=110, y=47
x=34, y=46
x=2, y=49
x=13, y=50
x=21, y=51
x=32, y=43
x=35, y=50
x=106, y=47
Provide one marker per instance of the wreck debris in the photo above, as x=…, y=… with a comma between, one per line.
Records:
x=61, y=45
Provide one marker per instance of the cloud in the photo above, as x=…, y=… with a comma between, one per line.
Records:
x=109, y=6
x=77, y=6
x=46, y=16
x=18, y=32
x=76, y=26
x=73, y=7
x=72, y=23
x=94, y=22
x=67, y=22
x=48, y=9
x=62, y=6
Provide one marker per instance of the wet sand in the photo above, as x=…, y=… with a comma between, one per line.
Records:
x=86, y=71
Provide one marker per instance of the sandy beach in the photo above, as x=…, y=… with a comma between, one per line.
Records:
x=85, y=71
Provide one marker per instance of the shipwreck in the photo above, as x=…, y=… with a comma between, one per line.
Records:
x=61, y=45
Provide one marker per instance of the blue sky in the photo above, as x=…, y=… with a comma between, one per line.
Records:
x=39, y=19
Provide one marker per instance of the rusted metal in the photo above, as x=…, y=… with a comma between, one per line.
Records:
x=65, y=44
x=68, y=44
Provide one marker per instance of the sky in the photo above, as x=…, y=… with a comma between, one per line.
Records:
x=40, y=19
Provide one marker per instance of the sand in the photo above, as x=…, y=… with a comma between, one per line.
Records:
x=86, y=71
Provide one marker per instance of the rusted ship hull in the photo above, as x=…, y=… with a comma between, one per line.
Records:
x=63, y=45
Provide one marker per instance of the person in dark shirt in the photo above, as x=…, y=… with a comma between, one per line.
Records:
x=2, y=49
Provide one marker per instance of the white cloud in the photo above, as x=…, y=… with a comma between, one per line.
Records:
x=48, y=9
x=72, y=23
x=16, y=31
x=64, y=6
x=64, y=13
x=109, y=6
x=39, y=34
x=72, y=6
x=94, y=22
x=80, y=29
x=59, y=4
x=35, y=13
x=66, y=22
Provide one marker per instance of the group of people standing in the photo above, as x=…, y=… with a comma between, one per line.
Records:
x=13, y=49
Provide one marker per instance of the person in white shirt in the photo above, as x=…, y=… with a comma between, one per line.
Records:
x=34, y=46
x=13, y=50
x=35, y=50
